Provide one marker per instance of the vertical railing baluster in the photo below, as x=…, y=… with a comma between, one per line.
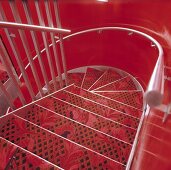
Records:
x=35, y=42
x=6, y=62
x=18, y=59
x=50, y=23
x=17, y=55
x=61, y=42
x=26, y=48
x=44, y=35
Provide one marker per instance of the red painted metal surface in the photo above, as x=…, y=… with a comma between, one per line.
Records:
x=106, y=48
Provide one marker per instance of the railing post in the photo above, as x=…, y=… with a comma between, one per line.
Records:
x=41, y=22
x=26, y=48
x=35, y=41
x=17, y=56
x=49, y=16
x=61, y=42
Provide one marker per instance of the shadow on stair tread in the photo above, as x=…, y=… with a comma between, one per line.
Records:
x=75, y=78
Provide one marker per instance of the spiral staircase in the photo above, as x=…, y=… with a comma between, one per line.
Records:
x=84, y=85
x=89, y=124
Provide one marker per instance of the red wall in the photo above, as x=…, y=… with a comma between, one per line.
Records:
x=149, y=16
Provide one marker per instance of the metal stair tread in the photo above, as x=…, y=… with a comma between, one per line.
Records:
x=119, y=106
x=90, y=119
x=125, y=83
x=131, y=98
x=90, y=105
x=91, y=76
x=47, y=144
x=107, y=77
x=93, y=124
x=76, y=132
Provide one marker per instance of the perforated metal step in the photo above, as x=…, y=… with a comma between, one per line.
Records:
x=93, y=120
x=131, y=98
x=123, y=84
x=79, y=133
x=106, y=101
x=98, y=109
x=91, y=76
x=108, y=77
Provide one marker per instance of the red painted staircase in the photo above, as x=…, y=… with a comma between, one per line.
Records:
x=89, y=124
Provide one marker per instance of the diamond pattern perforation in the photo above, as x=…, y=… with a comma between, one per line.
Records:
x=50, y=147
x=95, y=121
x=108, y=76
x=79, y=134
x=16, y=158
x=132, y=98
x=105, y=101
x=91, y=76
x=124, y=84
x=98, y=109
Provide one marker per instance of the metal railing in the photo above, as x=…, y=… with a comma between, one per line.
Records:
x=154, y=92
x=22, y=30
